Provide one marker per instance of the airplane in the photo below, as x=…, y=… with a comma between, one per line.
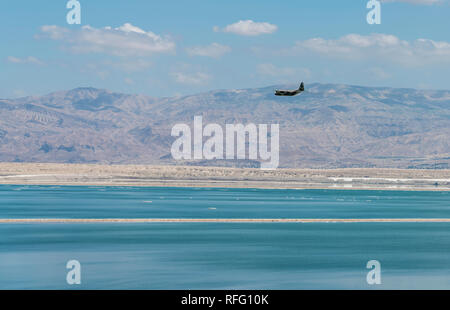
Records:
x=290, y=92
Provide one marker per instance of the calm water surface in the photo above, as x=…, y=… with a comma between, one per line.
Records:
x=222, y=255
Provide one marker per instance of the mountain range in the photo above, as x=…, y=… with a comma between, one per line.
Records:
x=327, y=126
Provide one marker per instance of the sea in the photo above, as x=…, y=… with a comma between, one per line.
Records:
x=222, y=255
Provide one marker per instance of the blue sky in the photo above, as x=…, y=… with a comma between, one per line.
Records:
x=168, y=48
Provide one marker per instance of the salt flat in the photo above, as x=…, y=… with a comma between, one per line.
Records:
x=193, y=176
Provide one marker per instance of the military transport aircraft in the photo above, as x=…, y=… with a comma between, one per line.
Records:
x=290, y=92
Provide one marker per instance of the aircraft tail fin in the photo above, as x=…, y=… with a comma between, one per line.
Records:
x=302, y=87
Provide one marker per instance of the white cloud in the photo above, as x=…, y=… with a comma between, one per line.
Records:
x=426, y=2
x=378, y=73
x=248, y=28
x=196, y=78
x=378, y=47
x=55, y=32
x=127, y=65
x=269, y=69
x=126, y=40
x=130, y=65
x=26, y=60
x=214, y=50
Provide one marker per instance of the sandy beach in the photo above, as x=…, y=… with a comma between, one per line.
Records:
x=192, y=176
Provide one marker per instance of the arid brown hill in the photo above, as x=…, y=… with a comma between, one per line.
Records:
x=327, y=126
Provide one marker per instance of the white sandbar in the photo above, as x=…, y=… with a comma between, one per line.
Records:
x=249, y=220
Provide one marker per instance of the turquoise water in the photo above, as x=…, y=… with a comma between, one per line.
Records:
x=222, y=255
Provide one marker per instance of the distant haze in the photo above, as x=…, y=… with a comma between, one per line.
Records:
x=327, y=126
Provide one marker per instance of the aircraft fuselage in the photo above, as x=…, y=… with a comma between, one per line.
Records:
x=290, y=92
x=287, y=92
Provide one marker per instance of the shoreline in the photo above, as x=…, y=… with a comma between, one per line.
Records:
x=212, y=220
x=240, y=186
x=220, y=177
